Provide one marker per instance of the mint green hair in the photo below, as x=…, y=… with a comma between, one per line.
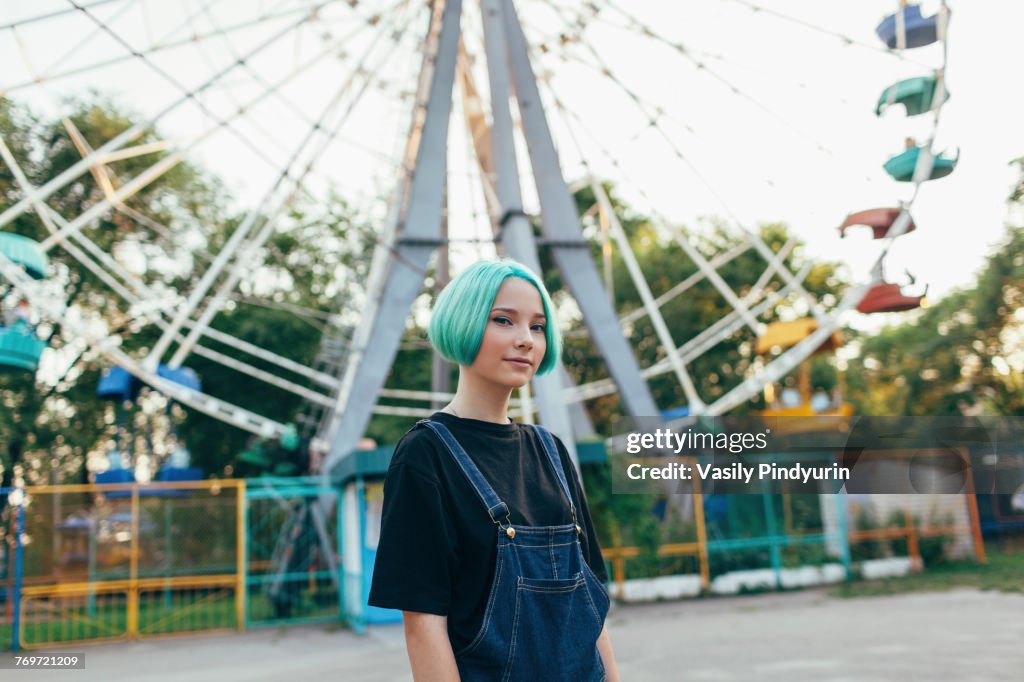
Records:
x=462, y=311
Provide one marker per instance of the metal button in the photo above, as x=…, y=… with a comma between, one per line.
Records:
x=579, y=531
x=510, y=531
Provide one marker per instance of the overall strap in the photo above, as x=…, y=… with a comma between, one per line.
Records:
x=495, y=507
x=548, y=443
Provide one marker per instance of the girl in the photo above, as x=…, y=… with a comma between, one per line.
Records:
x=486, y=541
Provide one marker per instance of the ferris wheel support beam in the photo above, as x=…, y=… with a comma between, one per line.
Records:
x=419, y=236
x=383, y=252
x=516, y=233
x=562, y=227
x=481, y=137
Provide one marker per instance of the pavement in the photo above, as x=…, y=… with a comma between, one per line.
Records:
x=960, y=636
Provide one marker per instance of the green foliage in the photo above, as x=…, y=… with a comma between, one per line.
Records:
x=623, y=520
x=868, y=548
x=961, y=355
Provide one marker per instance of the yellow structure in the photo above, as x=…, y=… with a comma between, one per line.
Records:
x=778, y=337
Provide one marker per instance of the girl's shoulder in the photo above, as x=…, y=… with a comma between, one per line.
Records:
x=418, y=449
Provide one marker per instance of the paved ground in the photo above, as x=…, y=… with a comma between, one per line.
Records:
x=964, y=635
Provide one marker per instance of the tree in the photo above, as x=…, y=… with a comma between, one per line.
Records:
x=965, y=354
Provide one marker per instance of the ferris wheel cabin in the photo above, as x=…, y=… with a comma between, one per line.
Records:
x=20, y=348
x=908, y=28
x=801, y=401
x=880, y=220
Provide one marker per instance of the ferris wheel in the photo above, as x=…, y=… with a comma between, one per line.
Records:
x=471, y=117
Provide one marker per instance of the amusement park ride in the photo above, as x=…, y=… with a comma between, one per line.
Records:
x=342, y=387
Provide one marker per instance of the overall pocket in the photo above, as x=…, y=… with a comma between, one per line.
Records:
x=554, y=632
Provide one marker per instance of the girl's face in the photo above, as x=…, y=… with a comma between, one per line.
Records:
x=515, y=333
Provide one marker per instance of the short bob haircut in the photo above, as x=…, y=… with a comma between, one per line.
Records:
x=463, y=309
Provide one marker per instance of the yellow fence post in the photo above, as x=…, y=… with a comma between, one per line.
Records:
x=133, y=570
x=702, y=533
x=240, y=587
x=913, y=548
x=975, y=519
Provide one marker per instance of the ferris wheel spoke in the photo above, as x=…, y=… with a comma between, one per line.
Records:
x=694, y=254
x=653, y=311
x=709, y=266
x=754, y=7
x=105, y=177
x=269, y=212
x=161, y=46
x=18, y=23
x=223, y=359
x=146, y=177
x=730, y=86
x=689, y=55
x=699, y=57
x=107, y=346
x=755, y=239
x=640, y=283
x=690, y=351
x=105, y=27
x=47, y=216
x=132, y=133
x=706, y=268
x=86, y=39
x=55, y=224
x=257, y=78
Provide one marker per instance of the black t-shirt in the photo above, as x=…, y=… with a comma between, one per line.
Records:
x=438, y=545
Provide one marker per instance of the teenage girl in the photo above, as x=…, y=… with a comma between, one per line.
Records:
x=486, y=541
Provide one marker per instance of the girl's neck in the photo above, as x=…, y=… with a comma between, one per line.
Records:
x=476, y=400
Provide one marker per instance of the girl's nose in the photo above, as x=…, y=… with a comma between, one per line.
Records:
x=525, y=338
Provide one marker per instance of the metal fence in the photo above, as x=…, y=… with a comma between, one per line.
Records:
x=124, y=561
x=292, y=557
x=88, y=563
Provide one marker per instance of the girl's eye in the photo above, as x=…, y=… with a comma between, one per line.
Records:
x=504, y=320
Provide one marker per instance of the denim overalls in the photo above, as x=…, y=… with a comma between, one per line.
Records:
x=546, y=608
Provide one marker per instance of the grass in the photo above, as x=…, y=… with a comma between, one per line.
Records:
x=184, y=612
x=1003, y=572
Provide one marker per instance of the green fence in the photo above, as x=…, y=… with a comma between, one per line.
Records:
x=292, y=559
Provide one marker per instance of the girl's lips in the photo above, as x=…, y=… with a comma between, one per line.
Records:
x=517, y=363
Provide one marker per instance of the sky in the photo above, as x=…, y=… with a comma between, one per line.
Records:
x=771, y=112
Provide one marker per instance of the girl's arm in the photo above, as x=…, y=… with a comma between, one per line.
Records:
x=604, y=647
x=430, y=650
